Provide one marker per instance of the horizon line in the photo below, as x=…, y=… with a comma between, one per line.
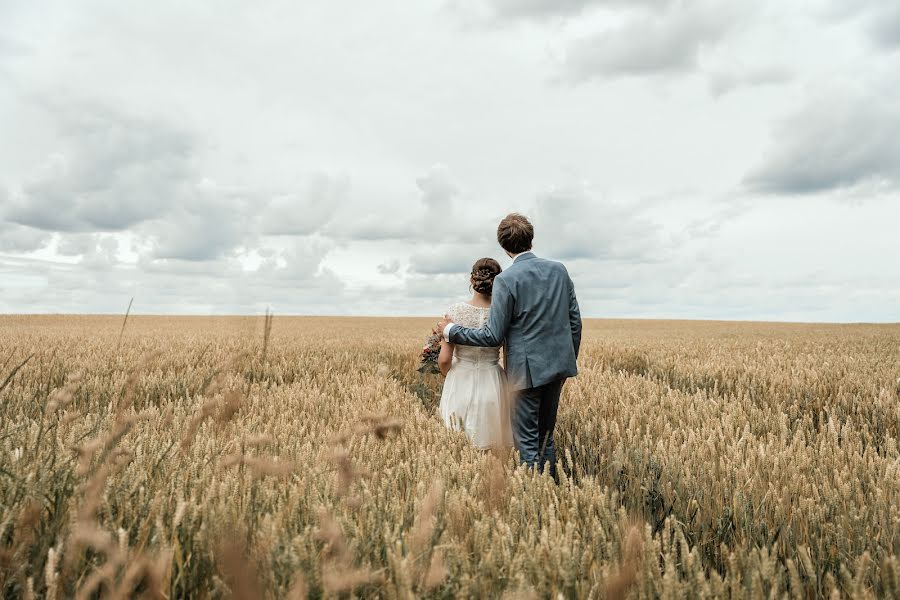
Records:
x=383, y=316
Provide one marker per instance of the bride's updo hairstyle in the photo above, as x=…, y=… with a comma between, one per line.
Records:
x=483, y=272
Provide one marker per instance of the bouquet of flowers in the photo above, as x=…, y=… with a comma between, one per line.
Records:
x=430, y=352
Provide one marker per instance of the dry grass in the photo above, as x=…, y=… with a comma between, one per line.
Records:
x=261, y=458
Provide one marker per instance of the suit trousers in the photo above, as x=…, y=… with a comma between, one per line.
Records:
x=533, y=419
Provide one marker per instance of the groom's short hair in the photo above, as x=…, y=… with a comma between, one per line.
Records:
x=515, y=233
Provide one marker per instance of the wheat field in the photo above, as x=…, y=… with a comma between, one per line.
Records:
x=300, y=457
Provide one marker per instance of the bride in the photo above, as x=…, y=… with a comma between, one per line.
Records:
x=475, y=398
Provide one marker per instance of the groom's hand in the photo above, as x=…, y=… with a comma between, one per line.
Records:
x=439, y=328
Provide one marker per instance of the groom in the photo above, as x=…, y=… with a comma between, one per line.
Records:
x=533, y=310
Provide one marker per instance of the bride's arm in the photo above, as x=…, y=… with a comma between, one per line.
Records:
x=445, y=359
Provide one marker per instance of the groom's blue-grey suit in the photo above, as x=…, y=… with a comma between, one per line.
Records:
x=535, y=312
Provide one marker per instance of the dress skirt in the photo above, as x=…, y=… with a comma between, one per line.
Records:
x=476, y=400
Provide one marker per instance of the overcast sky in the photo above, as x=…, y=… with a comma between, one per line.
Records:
x=693, y=158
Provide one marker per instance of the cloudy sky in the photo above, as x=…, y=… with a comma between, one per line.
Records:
x=684, y=158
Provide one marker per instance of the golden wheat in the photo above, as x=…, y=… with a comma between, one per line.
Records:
x=299, y=457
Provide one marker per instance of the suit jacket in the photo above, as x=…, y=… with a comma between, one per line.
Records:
x=535, y=311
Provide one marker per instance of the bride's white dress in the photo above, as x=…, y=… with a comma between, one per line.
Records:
x=475, y=398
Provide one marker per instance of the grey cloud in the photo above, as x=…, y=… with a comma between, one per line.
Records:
x=602, y=279
x=438, y=188
x=418, y=295
x=389, y=268
x=18, y=238
x=840, y=139
x=112, y=172
x=444, y=200
x=664, y=41
x=443, y=288
x=465, y=235
x=103, y=255
x=195, y=237
x=288, y=278
x=209, y=223
x=76, y=244
x=212, y=221
x=880, y=20
x=10, y=51
x=723, y=82
x=711, y=224
x=115, y=172
x=218, y=268
x=440, y=202
x=305, y=213
x=448, y=259
x=539, y=8
x=297, y=266
x=301, y=261
x=503, y=10
x=218, y=287
x=373, y=224
x=95, y=251
x=571, y=223
x=884, y=26
x=10, y=47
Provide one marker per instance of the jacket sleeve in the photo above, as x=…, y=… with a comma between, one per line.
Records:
x=574, y=318
x=494, y=331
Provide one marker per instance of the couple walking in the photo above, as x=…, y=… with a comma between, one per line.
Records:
x=530, y=310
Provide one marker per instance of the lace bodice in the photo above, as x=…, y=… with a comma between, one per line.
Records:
x=473, y=317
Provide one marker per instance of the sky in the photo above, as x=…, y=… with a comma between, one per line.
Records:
x=684, y=158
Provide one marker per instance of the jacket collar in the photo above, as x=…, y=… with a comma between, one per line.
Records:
x=524, y=256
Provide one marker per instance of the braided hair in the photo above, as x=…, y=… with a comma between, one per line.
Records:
x=483, y=272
